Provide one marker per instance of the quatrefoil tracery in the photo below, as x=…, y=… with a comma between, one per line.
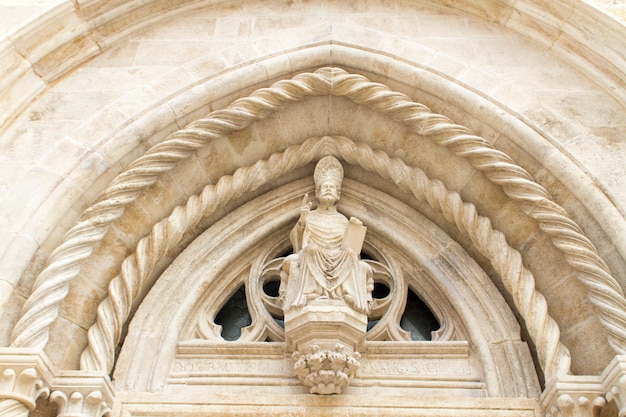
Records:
x=264, y=307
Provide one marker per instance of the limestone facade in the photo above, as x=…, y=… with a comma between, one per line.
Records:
x=154, y=156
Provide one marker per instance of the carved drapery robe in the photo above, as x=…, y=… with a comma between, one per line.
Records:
x=321, y=268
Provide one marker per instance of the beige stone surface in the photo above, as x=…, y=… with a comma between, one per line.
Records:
x=90, y=86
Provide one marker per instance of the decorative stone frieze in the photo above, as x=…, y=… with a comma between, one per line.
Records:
x=577, y=406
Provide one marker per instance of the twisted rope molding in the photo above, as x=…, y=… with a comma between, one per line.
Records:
x=52, y=284
x=137, y=269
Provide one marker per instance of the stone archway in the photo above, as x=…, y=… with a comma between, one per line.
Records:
x=497, y=166
x=454, y=182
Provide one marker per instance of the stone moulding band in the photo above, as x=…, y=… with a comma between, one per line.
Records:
x=52, y=284
x=137, y=268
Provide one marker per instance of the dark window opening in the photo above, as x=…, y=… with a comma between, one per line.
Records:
x=366, y=256
x=418, y=319
x=381, y=290
x=371, y=324
x=234, y=315
x=271, y=288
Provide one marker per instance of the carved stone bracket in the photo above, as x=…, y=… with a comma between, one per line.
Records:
x=326, y=371
x=324, y=338
x=26, y=375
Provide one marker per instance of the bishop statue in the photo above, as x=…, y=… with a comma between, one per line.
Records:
x=326, y=245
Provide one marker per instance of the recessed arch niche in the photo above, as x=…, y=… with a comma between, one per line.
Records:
x=248, y=137
x=481, y=327
x=348, y=149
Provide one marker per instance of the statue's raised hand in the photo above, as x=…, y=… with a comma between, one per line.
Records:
x=304, y=210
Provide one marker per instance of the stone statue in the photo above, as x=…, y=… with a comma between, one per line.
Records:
x=326, y=245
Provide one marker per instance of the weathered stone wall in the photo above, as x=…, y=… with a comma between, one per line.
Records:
x=90, y=86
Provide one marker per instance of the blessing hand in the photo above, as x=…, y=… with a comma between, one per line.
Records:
x=305, y=209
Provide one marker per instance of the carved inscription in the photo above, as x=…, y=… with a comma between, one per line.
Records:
x=384, y=364
x=370, y=368
x=415, y=367
x=221, y=367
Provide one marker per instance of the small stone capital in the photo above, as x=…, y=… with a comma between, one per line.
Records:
x=614, y=378
x=26, y=375
x=78, y=405
x=574, y=396
x=22, y=385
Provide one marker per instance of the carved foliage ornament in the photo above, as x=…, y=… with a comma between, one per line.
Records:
x=326, y=371
x=20, y=390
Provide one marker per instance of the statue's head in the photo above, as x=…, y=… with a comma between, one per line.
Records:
x=328, y=176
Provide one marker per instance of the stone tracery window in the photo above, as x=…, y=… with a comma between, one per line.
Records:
x=416, y=318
